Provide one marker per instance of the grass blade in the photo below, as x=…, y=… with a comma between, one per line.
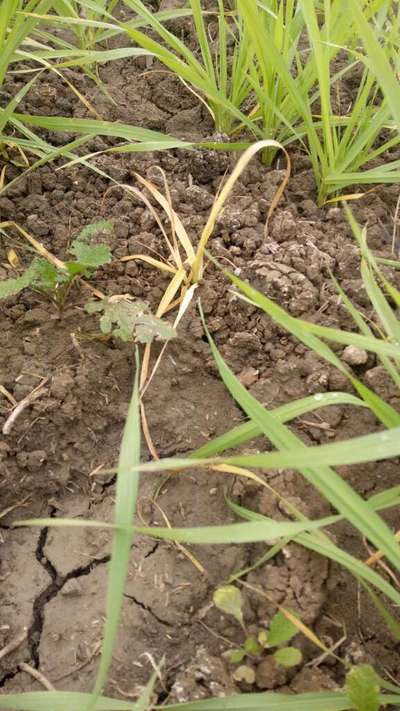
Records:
x=319, y=701
x=377, y=59
x=326, y=548
x=74, y=701
x=249, y=430
x=309, y=333
x=93, y=127
x=326, y=480
x=125, y=504
x=60, y=701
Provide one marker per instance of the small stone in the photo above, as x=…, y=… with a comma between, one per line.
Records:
x=200, y=198
x=216, y=324
x=37, y=226
x=31, y=460
x=354, y=355
x=248, y=376
x=121, y=229
x=29, y=348
x=335, y=214
x=269, y=675
x=284, y=226
x=309, y=207
x=72, y=588
x=61, y=232
x=16, y=311
x=61, y=384
x=308, y=680
x=171, y=4
x=4, y=450
x=131, y=269
x=7, y=207
x=34, y=317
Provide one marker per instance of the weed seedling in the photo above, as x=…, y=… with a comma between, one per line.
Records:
x=55, y=278
x=363, y=689
x=282, y=629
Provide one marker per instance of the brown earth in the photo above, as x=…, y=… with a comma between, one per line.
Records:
x=54, y=581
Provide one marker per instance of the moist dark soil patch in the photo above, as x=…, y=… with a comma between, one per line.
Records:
x=54, y=581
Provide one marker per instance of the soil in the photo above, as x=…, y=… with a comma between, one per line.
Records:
x=53, y=580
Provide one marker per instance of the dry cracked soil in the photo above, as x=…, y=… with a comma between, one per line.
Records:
x=54, y=580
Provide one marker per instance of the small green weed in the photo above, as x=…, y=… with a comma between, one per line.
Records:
x=364, y=690
x=55, y=278
x=228, y=599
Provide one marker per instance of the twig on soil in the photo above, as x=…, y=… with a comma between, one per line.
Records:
x=14, y=506
x=134, y=695
x=37, y=675
x=146, y=433
x=153, y=372
x=3, y=176
x=180, y=547
x=8, y=395
x=318, y=425
x=156, y=667
x=38, y=246
x=318, y=660
x=76, y=345
x=139, y=511
x=22, y=405
x=97, y=469
x=14, y=644
x=95, y=651
x=227, y=641
x=375, y=557
x=91, y=288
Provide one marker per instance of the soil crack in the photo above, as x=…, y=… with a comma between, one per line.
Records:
x=56, y=585
x=50, y=592
x=152, y=550
x=145, y=607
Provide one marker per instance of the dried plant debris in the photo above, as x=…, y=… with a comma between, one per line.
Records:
x=130, y=319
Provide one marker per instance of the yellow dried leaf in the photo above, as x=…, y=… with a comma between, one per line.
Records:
x=13, y=258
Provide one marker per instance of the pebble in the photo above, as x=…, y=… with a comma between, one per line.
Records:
x=34, y=317
x=353, y=355
x=29, y=348
x=31, y=460
x=131, y=268
x=72, y=588
x=61, y=384
x=248, y=376
x=7, y=207
x=37, y=226
x=308, y=680
x=335, y=214
x=269, y=674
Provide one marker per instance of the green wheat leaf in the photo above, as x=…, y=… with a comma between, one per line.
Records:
x=362, y=687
